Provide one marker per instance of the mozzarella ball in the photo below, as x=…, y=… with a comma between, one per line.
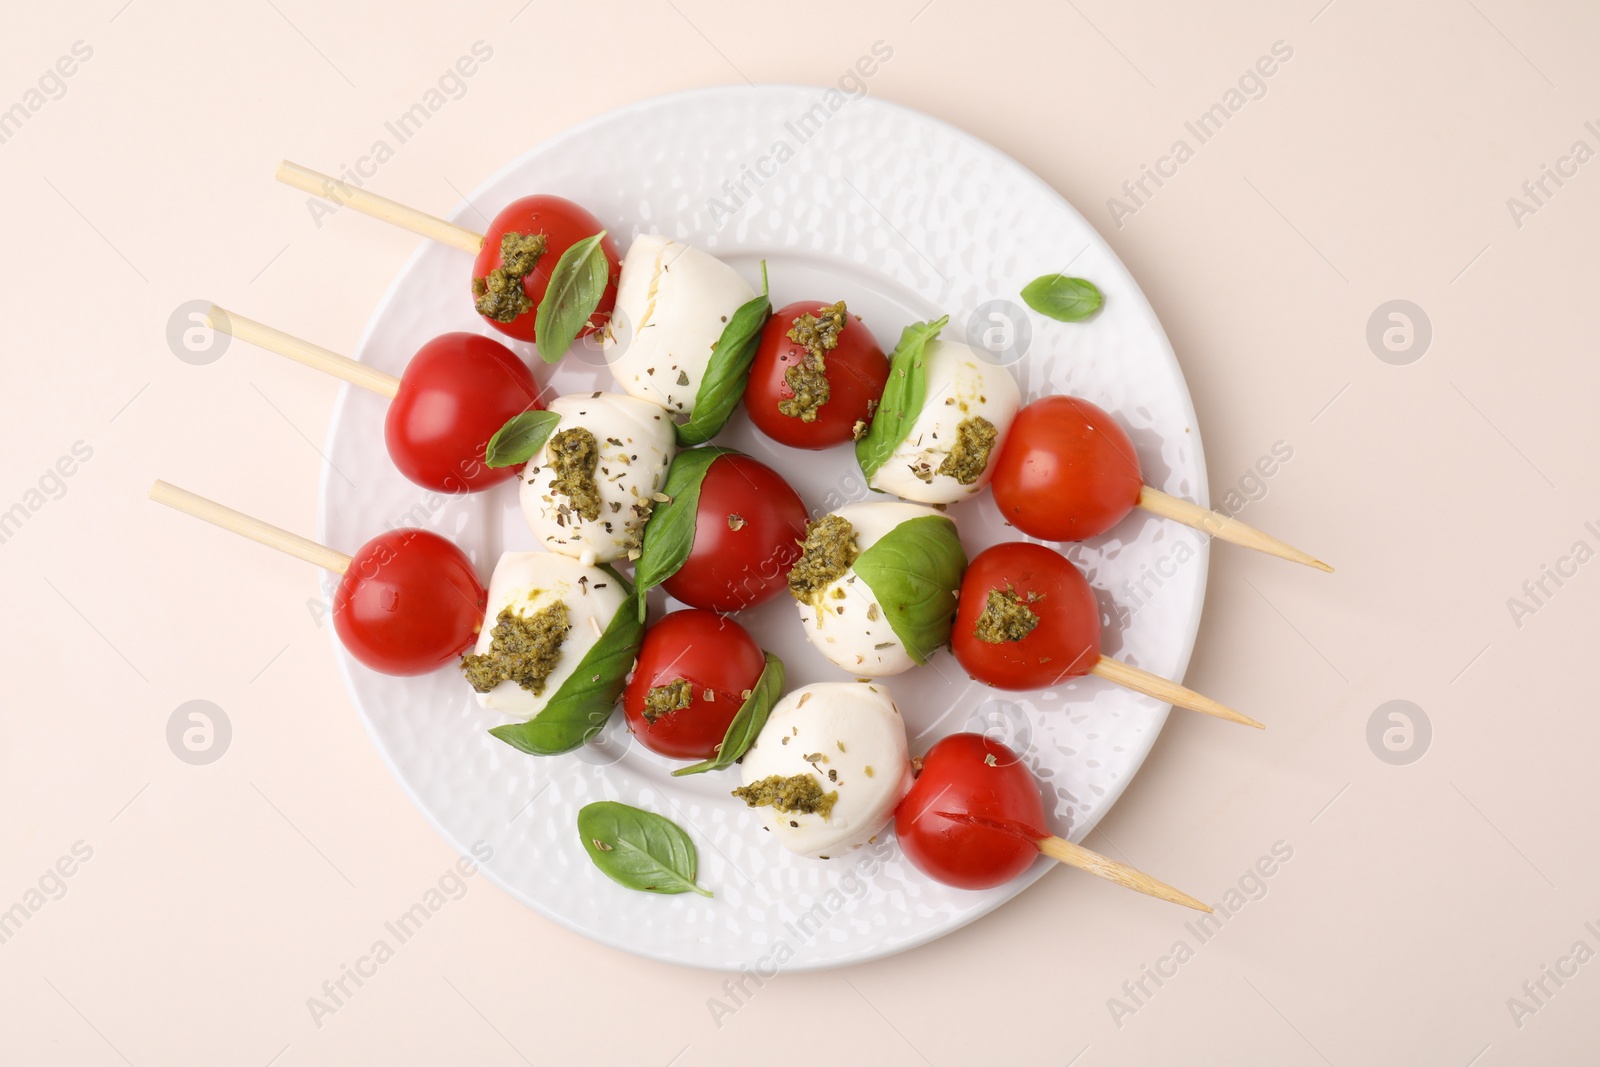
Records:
x=844, y=620
x=632, y=447
x=850, y=738
x=962, y=385
x=675, y=301
x=527, y=583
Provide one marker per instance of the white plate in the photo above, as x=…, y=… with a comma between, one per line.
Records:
x=904, y=218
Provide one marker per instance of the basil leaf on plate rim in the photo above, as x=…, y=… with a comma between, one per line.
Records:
x=582, y=704
x=520, y=439
x=915, y=573
x=746, y=725
x=669, y=532
x=729, y=370
x=902, y=398
x=570, y=297
x=1062, y=298
x=639, y=849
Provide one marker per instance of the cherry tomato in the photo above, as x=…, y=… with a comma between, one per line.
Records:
x=747, y=534
x=856, y=371
x=409, y=603
x=1063, y=643
x=719, y=661
x=563, y=225
x=456, y=392
x=1066, y=472
x=974, y=817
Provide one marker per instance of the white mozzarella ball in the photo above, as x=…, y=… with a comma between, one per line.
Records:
x=845, y=621
x=962, y=384
x=528, y=583
x=674, y=300
x=635, y=446
x=850, y=736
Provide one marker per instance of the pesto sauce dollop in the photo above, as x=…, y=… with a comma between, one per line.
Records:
x=968, y=458
x=1006, y=617
x=574, y=453
x=828, y=551
x=808, y=379
x=522, y=649
x=798, y=792
x=500, y=295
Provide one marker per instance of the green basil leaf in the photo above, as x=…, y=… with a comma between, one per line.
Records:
x=746, y=726
x=729, y=370
x=639, y=849
x=1062, y=298
x=915, y=572
x=574, y=291
x=669, y=532
x=520, y=439
x=583, y=703
x=902, y=398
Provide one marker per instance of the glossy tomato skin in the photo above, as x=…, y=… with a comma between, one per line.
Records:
x=564, y=224
x=708, y=651
x=1064, y=644
x=1066, y=471
x=409, y=603
x=748, y=530
x=455, y=393
x=974, y=817
x=857, y=370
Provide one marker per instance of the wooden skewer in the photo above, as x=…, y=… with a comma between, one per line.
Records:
x=1114, y=670
x=353, y=371
x=1216, y=524
x=379, y=207
x=265, y=533
x=1058, y=848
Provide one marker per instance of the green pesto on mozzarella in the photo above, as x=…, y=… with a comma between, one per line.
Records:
x=634, y=443
x=961, y=385
x=528, y=583
x=845, y=620
x=847, y=735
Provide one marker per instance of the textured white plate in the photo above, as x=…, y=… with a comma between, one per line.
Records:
x=905, y=218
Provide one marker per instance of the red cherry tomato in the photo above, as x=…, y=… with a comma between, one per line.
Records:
x=974, y=817
x=856, y=372
x=563, y=224
x=409, y=603
x=715, y=656
x=1066, y=472
x=1064, y=643
x=747, y=535
x=456, y=392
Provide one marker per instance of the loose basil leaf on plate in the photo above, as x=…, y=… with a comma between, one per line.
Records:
x=746, y=725
x=583, y=703
x=902, y=398
x=729, y=370
x=574, y=291
x=915, y=572
x=1062, y=298
x=639, y=849
x=669, y=532
x=520, y=439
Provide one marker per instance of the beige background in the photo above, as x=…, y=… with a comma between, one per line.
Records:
x=1377, y=166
